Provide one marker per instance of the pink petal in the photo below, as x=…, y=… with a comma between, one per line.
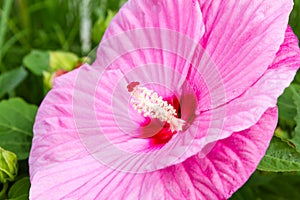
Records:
x=231, y=161
x=55, y=129
x=181, y=16
x=212, y=177
x=246, y=110
x=242, y=38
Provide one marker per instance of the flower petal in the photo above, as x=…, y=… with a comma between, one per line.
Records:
x=242, y=38
x=212, y=177
x=181, y=16
x=246, y=110
x=232, y=160
x=54, y=128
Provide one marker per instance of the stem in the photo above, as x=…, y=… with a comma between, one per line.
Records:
x=3, y=25
x=3, y=191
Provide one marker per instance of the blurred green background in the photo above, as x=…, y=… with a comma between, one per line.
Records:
x=41, y=39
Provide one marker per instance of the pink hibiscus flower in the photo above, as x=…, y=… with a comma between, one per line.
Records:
x=179, y=104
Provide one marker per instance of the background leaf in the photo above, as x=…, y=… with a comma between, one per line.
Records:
x=287, y=108
x=20, y=189
x=16, y=122
x=270, y=186
x=37, y=61
x=101, y=25
x=280, y=157
x=11, y=79
x=296, y=136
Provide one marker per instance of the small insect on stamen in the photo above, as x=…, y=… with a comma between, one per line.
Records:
x=150, y=104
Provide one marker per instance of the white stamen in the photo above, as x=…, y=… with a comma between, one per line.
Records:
x=148, y=103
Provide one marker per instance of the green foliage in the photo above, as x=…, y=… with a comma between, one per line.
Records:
x=289, y=116
x=280, y=157
x=62, y=60
x=101, y=25
x=20, y=190
x=4, y=16
x=16, y=123
x=295, y=18
x=287, y=108
x=11, y=79
x=296, y=134
x=37, y=61
x=270, y=186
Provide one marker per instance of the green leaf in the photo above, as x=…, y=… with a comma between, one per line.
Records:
x=245, y=193
x=101, y=25
x=37, y=61
x=31, y=89
x=296, y=136
x=283, y=135
x=289, y=116
x=20, y=189
x=11, y=79
x=280, y=157
x=16, y=122
x=112, y=4
x=273, y=187
x=287, y=108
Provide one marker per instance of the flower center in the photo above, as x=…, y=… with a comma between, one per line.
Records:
x=150, y=104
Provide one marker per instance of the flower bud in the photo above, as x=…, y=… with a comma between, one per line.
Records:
x=8, y=166
x=60, y=63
